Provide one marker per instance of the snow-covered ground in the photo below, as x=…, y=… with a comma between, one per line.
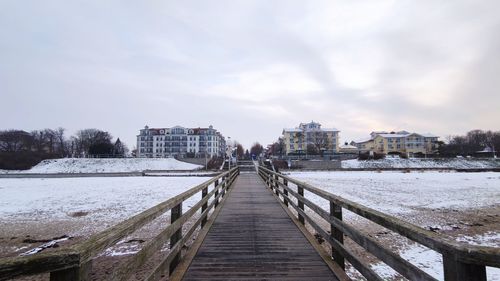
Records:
x=404, y=193
x=415, y=197
x=87, y=204
x=431, y=262
x=396, y=162
x=106, y=165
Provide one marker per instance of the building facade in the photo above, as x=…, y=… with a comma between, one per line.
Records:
x=309, y=137
x=180, y=142
x=398, y=142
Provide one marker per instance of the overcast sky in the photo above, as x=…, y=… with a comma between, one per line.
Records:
x=250, y=68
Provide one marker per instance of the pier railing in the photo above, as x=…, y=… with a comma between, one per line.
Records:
x=75, y=262
x=461, y=262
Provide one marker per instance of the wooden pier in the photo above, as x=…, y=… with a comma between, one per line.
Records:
x=253, y=238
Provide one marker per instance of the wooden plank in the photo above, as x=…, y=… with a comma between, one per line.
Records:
x=399, y=264
x=176, y=237
x=126, y=269
x=337, y=234
x=364, y=269
x=111, y=236
x=253, y=238
x=39, y=263
x=454, y=270
x=204, y=193
x=161, y=268
x=464, y=253
x=300, y=191
x=81, y=273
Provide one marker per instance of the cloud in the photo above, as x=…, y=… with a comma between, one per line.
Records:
x=250, y=68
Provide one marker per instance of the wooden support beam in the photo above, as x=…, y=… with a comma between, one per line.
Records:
x=454, y=270
x=216, y=187
x=204, y=194
x=285, y=192
x=335, y=233
x=300, y=191
x=175, y=214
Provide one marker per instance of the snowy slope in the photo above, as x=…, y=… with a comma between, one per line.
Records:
x=396, y=162
x=107, y=165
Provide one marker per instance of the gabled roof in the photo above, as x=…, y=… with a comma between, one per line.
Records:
x=429, y=135
x=292, y=130
x=393, y=135
x=363, y=140
x=347, y=146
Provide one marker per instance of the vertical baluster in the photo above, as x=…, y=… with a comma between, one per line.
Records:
x=175, y=214
x=336, y=211
x=455, y=270
x=78, y=273
x=276, y=185
x=204, y=193
x=216, y=186
x=285, y=192
x=300, y=191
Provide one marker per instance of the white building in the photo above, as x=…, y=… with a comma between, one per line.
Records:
x=180, y=142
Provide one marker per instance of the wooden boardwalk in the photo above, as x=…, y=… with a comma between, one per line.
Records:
x=254, y=239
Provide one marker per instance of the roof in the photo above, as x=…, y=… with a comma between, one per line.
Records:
x=429, y=135
x=348, y=146
x=292, y=130
x=393, y=135
x=363, y=140
x=300, y=130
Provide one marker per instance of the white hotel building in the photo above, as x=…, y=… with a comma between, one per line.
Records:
x=180, y=142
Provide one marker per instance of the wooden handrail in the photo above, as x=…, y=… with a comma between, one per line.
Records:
x=461, y=261
x=72, y=262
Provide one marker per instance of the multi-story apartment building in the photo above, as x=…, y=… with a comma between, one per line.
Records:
x=180, y=142
x=398, y=142
x=311, y=134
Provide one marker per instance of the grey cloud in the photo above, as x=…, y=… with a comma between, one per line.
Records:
x=120, y=66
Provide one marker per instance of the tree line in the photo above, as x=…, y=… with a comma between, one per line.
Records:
x=474, y=143
x=243, y=153
x=20, y=150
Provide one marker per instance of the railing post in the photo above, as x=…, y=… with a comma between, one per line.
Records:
x=300, y=191
x=285, y=192
x=204, y=193
x=79, y=273
x=336, y=211
x=216, y=186
x=175, y=214
x=455, y=270
x=223, y=188
x=276, y=185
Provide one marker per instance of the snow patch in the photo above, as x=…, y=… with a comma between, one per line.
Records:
x=106, y=165
x=396, y=162
x=106, y=201
x=403, y=194
x=427, y=260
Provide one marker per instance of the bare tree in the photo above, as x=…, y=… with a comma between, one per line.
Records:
x=256, y=149
x=85, y=139
x=321, y=141
x=15, y=141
